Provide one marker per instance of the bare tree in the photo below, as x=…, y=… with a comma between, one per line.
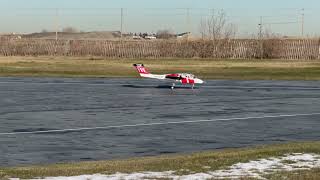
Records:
x=70, y=30
x=217, y=27
x=219, y=31
x=269, y=34
x=165, y=34
x=269, y=44
x=44, y=31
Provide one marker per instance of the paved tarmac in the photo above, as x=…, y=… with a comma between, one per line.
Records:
x=231, y=114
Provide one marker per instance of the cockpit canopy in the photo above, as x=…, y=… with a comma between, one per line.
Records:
x=187, y=75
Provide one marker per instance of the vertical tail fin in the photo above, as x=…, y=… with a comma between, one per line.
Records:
x=141, y=69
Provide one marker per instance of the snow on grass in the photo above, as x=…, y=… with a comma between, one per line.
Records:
x=256, y=169
x=262, y=167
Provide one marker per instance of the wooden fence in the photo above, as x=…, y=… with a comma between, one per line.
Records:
x=233, y=49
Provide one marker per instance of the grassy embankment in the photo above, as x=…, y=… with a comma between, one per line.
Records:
x=195, y=163
x=204, y=68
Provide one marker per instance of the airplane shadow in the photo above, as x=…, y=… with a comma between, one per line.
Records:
x=157, y=87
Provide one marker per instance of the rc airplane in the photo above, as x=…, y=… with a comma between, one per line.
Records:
x=183, y=78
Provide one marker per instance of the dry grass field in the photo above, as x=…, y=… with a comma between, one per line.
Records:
x=203, y=68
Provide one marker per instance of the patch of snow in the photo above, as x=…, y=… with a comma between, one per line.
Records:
x=117, y=176
x=256, y=169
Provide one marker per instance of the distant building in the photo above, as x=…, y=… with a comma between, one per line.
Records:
x=183, y=35
x=135, y=37
x=145, y=36
x=11, y=36
x=150, y=37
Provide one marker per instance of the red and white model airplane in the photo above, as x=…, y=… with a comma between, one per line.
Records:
x=183, y=78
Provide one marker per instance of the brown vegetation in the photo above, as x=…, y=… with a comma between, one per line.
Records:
x=251, y=69
x=223, y=48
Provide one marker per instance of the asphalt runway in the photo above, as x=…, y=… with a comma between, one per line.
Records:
x=139, y=117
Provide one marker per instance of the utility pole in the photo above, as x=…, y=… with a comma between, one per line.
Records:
x=57, y=23
x=302, y=23
x=121, y=26
x=261, y=37
x=57, y=29
x=188, y=23
x=213, y=25
x=260, y=28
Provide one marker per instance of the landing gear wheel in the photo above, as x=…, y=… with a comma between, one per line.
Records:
x=172, y=87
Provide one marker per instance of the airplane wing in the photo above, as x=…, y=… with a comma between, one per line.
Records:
x=154, y=76
x=173, y=76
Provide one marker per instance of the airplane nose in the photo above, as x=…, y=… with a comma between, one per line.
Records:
x=199, y=81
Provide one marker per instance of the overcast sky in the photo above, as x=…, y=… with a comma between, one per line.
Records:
x=281, y=16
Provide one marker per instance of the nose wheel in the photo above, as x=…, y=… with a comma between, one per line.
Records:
x=173, y=85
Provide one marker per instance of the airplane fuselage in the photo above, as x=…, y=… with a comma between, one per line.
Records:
x=183, y=78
